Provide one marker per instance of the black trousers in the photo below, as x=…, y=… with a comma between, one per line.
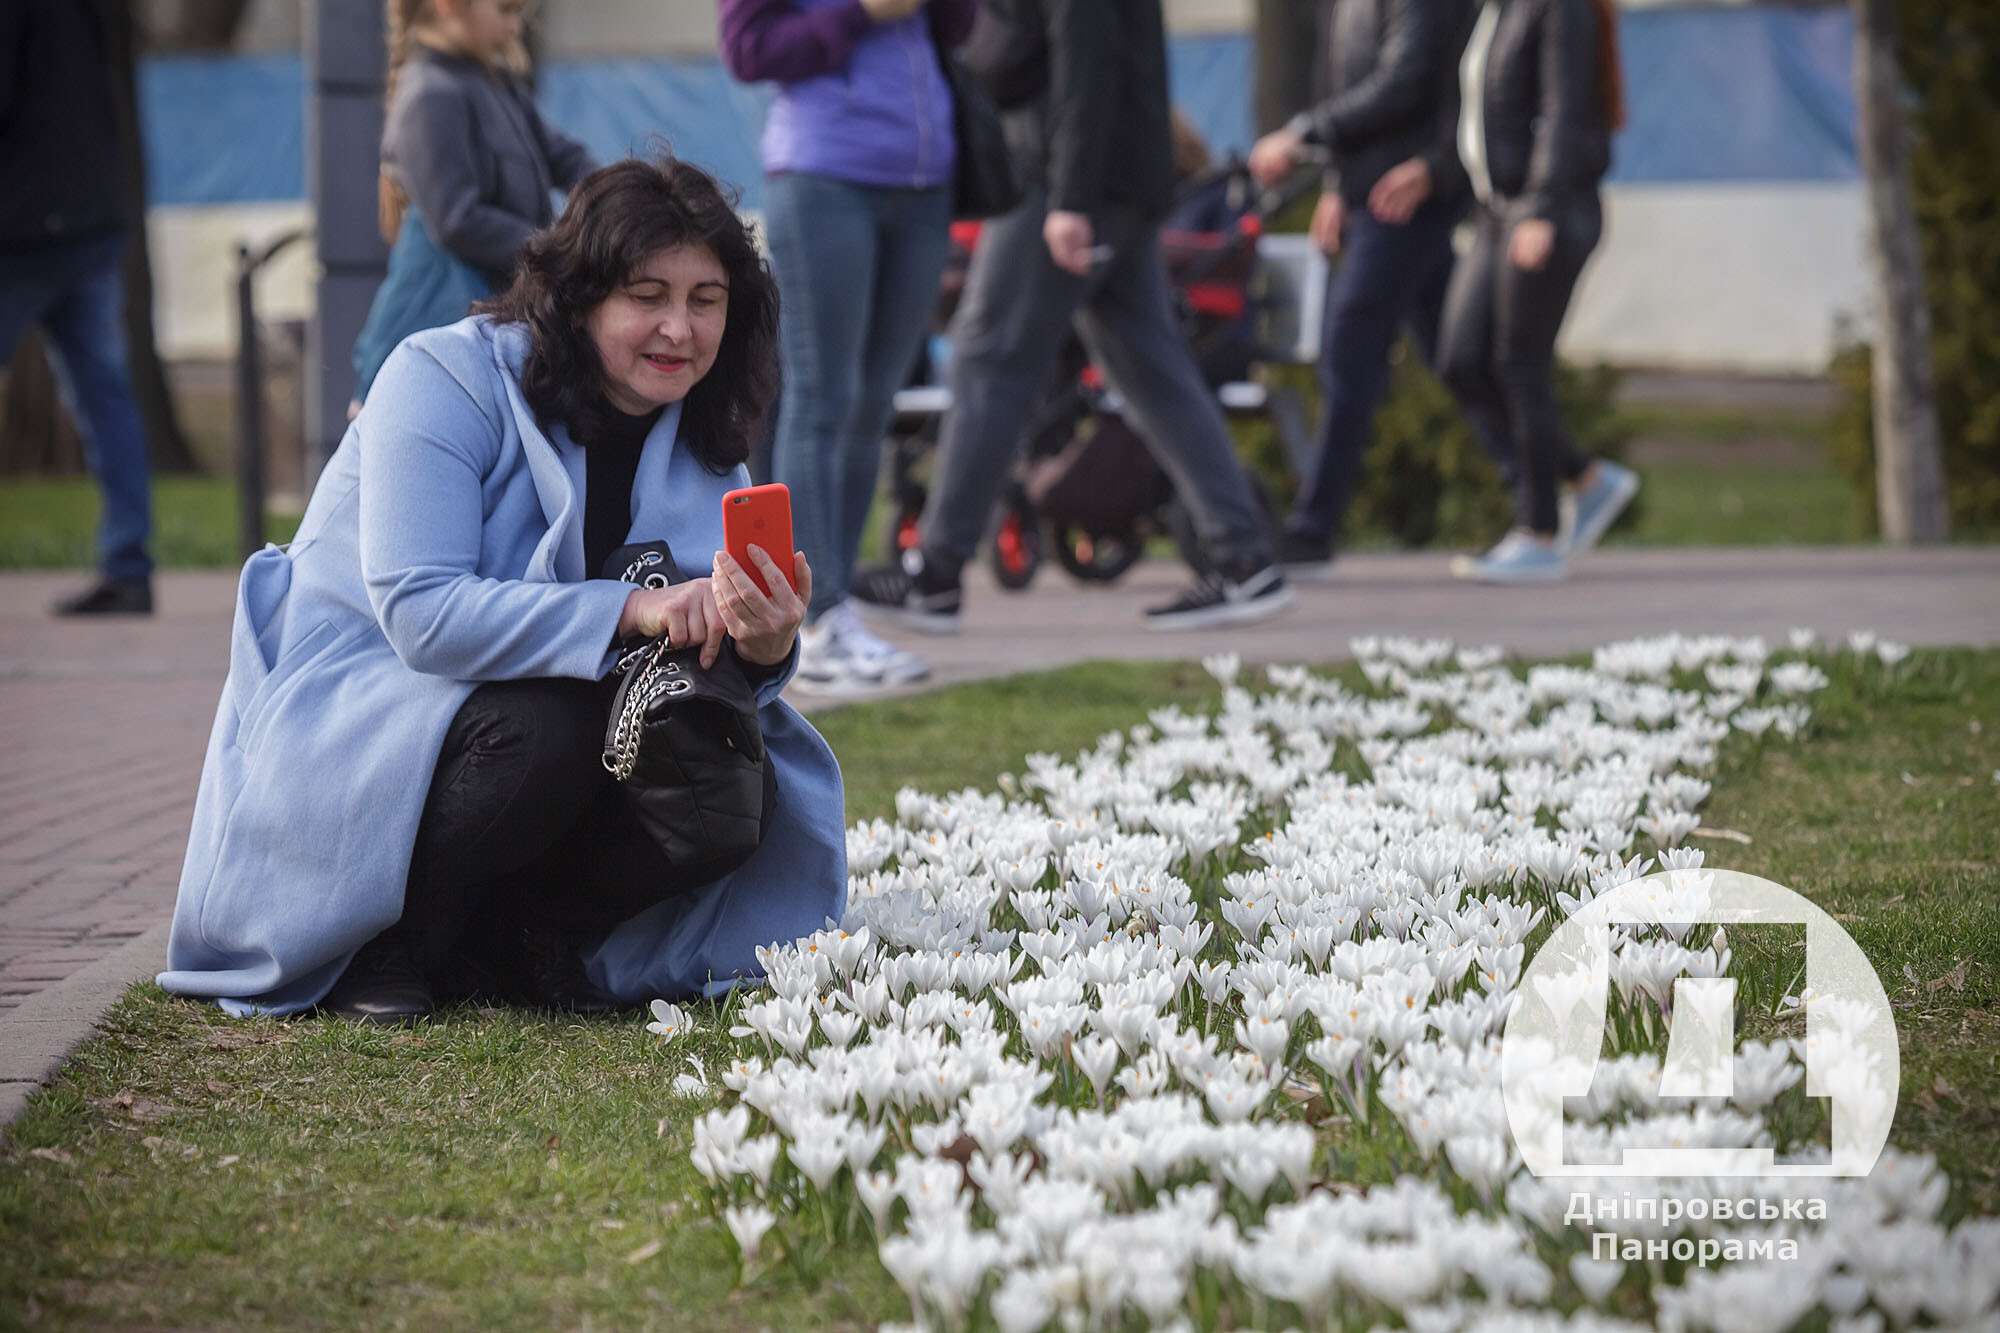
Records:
x=524, y=830
x=1388, y=277
x=1497, y=348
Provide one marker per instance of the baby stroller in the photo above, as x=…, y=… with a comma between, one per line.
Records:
x=1088, y=492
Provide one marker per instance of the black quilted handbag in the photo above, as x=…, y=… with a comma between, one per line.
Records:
x=684, y=741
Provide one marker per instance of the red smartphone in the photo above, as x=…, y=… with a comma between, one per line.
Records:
x=760, y=516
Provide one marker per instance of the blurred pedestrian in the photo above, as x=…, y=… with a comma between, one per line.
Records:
x=1093, y=148
x=858, y=155
x=1388, y=107
x=63, y=233
x=1542, y=95
x=468, y=165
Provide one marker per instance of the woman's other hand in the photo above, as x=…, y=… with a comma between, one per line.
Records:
x=1528, y=248
x=763, y=626
x=888, y=11
x=1273, y=156
x=1068, y=236
x=1329, y=216
x=684, y=614
x=1401, y=192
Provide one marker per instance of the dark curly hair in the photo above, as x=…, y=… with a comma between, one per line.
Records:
x=618, y=217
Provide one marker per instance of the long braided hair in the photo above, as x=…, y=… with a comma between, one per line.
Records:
x=403, y=19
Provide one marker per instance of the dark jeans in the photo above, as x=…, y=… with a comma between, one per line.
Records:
x=1388, y=278
x=858, y=268
x=74, y=291
x=1497, y=349
x=1017, y=309
x=524, y=830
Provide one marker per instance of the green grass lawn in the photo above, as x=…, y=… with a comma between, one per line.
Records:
x=501, y=1169
x=49, y=523
x=1688, y=504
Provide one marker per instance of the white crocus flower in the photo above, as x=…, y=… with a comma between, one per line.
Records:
x=669, y=1021
x=1414, y=837
x=748, y=1225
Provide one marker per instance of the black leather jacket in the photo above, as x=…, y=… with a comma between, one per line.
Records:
x=1387, y=82
x=1087, y=113
x=60, y=157
x=1548, y=137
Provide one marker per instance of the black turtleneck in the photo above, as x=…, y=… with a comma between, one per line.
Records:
x=610, y=463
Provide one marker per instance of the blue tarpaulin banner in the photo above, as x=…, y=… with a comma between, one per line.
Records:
x=1757, y=93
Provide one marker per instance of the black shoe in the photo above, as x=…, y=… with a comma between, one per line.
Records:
x=1236, y=594
x=914, y=593
x=1305, y=558
x=383, y=984
x=556, y=978
x=111, y=597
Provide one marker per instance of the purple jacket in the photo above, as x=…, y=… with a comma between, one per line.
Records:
x=857, y=100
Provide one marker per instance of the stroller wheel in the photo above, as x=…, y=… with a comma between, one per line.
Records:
x=1016, y=549
x=1096, y=557
x=900, y=533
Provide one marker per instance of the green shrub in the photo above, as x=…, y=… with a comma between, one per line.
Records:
x=1950, y=52
x=1425, y=481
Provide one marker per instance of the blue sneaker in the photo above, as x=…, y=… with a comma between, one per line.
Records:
x=1516, y=558
x=1600, y=504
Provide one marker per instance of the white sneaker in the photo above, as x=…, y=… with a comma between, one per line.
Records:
x=827, y=667
x=869, y=652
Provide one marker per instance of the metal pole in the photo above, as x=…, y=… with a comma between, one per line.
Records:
x=249, y=408
x=250, y=392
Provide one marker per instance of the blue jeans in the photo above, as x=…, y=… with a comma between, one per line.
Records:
x=73, y=291
x=857, y=269
x=1389, y=277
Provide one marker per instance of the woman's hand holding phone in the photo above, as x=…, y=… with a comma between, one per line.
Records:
x=763, y=625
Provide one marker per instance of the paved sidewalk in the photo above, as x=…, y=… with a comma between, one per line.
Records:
x=103, y=725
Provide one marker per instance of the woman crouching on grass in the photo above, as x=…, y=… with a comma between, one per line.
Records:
x=403, y=799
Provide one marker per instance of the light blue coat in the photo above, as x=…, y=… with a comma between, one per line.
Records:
x=443, y=547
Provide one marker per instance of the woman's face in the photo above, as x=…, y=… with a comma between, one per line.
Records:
x=657, y=335
x=483, y=29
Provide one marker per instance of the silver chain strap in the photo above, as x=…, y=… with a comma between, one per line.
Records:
x=659, y=677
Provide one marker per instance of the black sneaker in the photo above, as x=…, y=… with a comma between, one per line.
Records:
x=1233, y=595
x=383, y=984
x=556, y=977
x=111, y=597
x=1305, y=558
x=913, y=593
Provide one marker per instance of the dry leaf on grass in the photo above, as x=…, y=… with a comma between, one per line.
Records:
x=645, y=1252
x=56, y=1155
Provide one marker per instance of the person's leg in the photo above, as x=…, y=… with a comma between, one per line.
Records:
x=606, y=869
x=31, y=281
x=912, y=238
x=1529, y=306
x=1432, y=268
x=823, y=253
x=1378, y=281
x=1128, y=325
x=87, y=330
x=517, y=770
x=1464, y=347
x=1005, y=337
